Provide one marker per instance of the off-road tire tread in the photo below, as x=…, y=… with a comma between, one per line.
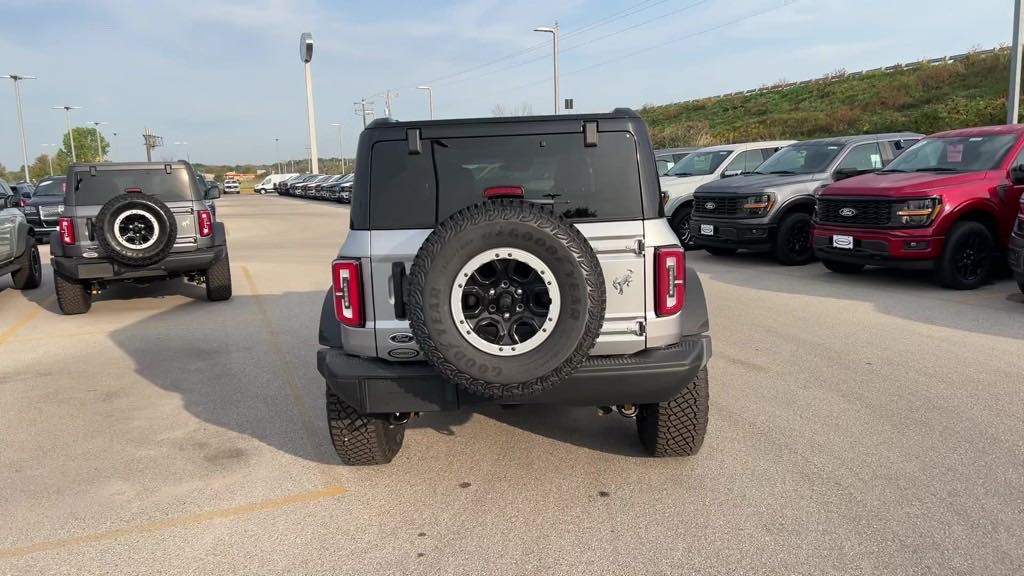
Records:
x=218, y=280
x=72, y=297
x=543, y=219
x=23, y=277
x=361, y=440
x=677, y=426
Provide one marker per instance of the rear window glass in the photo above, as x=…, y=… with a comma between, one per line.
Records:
x=557, y=170
x=106, y=184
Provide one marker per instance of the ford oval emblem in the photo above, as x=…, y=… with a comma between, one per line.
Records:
x=401, y=338
x=711, y=205
x=403, y=353
x=847, y=212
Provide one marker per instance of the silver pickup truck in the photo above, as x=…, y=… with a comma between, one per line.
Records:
x=19, y=255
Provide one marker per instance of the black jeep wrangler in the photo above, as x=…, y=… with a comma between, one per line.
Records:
x=511, y=261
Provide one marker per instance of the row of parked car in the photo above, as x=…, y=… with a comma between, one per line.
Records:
x=331, y=187
x=949, y=202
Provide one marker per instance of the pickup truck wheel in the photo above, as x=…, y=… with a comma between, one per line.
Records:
x=680, y=223
x=718, y=251
x=842, y=267
x=218, y=280
x=793, y=240
x=506, y=298
x=966, y=261
x=676, y=427
x=30, y=273
x=136, y=229
x=72, y=297
x=361, y=440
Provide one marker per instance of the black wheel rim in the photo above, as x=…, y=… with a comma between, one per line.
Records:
x=972, y=258
x=36, y=263
x=799, y=240
x=506, y=302
x=136, y=230
x=683, y=230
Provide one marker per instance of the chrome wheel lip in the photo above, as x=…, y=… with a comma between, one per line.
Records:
x=464, y=325
x=148, y=241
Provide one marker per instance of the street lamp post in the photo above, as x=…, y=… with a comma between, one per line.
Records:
x=341, y=146
x=187, y=156
x=67, y=114
x=554, y=34
x=430, y=99
x=277, y=154
x=306, y=54
x=99, y=143
x=49, y=156
x=21, y=123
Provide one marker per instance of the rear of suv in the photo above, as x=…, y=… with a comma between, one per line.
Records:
x=769, y=210
x=136, y=222
x=948, y=204
x=511, y=261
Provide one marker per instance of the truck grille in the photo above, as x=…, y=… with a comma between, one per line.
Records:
x=858, y=212
x=716, y=205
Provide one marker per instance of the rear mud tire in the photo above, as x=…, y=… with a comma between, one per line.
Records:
x=73, y=297
x=218, y=280
x=677, y=426
x=361, y=440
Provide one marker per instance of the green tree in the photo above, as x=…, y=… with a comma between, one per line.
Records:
x=86, y=149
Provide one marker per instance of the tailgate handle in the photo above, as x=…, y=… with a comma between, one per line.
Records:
x=398, y=280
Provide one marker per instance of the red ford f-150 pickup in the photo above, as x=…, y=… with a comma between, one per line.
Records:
x=947, y=204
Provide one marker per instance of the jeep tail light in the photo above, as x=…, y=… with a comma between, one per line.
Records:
x=670, y=274
x=66, y=226
x=23, y=201
x=205, y=223
x=348, y=302
x=503, y=192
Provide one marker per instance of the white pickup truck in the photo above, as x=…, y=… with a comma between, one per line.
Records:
x=705, y=165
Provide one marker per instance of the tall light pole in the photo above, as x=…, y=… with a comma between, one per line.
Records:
x=187, y=157
x=277, y=152
x=430, y=99
x=306, y=54
x=341, y=146
x=49, y=156
x=21, y=123
x=67, y=114
x=1013, y=101
x=554, y=35
x=99, y=143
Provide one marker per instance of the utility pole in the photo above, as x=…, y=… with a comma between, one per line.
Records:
x=151, y=141
x=21, y=122
x=364, y=108
x=554, y=52
x=341, y=146
x=387, y=103
x=67, y=115
x=1013, y=100
x=306, y=54
x=49, y=155
x=430, y=99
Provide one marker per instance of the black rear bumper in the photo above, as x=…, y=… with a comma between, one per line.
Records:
x=104, y=269
x=375, y=386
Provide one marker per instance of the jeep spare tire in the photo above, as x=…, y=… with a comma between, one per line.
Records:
x=136, y=229
x=506, y=298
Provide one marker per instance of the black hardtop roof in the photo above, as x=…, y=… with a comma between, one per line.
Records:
x=86, y=166
x=616, y=114
x=858, y=138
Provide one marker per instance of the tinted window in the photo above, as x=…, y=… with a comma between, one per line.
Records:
x=700, y=163
x=92, y=190
x=53, y=187
x=954, y=154
x=801, y=159
x=745, y=162
x=600, y=182
x=899, y=146
x=863, y=157
x=401, y=187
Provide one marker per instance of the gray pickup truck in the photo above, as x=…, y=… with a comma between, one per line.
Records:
x=511, y=261
x=19, y=255
x=770, y=210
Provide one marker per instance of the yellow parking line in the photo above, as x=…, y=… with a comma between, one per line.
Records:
x=294, y=390
x=24, y=320
x=177, y=522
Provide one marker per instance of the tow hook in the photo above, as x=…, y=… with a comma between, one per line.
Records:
x=627, y=410
x=95, y=288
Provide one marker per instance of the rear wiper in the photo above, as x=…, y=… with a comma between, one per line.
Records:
x=936, y=169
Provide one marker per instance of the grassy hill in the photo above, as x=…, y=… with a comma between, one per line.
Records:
x=925, y=98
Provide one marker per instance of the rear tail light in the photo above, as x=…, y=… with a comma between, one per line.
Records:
x=23, y=202
x=670, y=274
x=503, y=192
x=205, y=223
x=348, y=302
x=66, y=227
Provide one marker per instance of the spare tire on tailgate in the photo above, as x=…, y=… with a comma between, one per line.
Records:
x=136, y=229
x=506, y=298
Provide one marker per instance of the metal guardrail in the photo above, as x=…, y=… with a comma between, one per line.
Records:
x=840, y=75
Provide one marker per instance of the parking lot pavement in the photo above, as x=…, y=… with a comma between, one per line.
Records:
x=859, y=425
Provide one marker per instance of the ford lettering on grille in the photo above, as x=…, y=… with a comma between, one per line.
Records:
x=847, y=212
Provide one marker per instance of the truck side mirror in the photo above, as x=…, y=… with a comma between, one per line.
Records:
x=731, y=173
x=10, y=202
x=212, y=192
x=844, y=173
x=1017, y=174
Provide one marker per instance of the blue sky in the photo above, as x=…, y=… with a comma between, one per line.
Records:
x=224, y=75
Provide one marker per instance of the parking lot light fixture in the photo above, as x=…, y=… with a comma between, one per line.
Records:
x=430, y=99
x=49, y=155
x=554, y=34
x=67, y=115
x=99, y=143
x=21, y=122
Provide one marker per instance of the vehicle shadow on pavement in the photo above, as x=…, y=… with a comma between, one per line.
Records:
x=579, y=426
x=911, y=295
